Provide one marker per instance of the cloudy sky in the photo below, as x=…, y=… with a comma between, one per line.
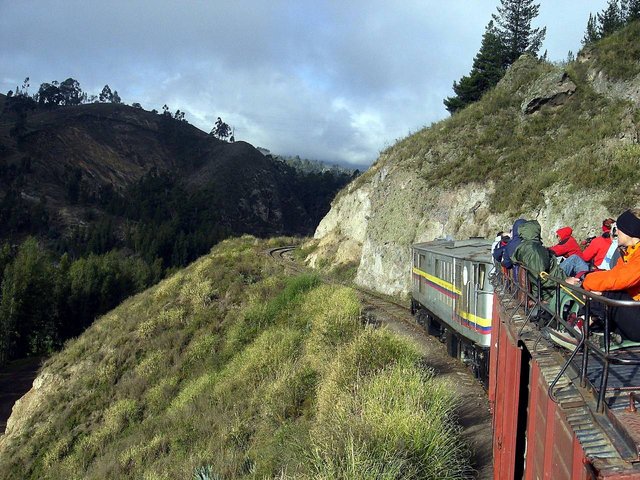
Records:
x=336, y=80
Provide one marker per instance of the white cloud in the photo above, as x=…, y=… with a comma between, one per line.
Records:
x=332, y=80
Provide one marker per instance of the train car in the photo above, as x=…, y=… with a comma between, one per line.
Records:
x=562, y=414
x=452, y=297
x=565, y=414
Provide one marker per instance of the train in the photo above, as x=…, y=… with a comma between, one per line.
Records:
x=558, y=414
x=452, y=297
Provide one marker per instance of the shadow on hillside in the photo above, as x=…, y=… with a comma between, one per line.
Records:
x=16, y=379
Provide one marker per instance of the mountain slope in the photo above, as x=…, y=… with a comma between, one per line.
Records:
x=553, y=142
x=72, y=161
x=232, y=364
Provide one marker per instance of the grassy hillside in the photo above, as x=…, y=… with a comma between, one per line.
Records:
x=493, y=140
x=590, y=139
x=231, y=369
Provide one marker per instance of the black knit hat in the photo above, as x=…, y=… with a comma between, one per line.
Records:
x=629, y=224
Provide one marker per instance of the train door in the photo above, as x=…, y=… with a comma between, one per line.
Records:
x=468, y=280
x=422, y=265
x=463, y=283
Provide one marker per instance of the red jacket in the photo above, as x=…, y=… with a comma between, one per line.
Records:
x=624, y=276
x=596, y=250
x=567, y=244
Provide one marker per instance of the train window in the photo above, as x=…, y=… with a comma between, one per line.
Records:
x=482, y=274
x=421, y=262
x=437, y=271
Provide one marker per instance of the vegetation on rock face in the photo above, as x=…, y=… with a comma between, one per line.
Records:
x=556, y=142
x=492, y=140
x=230, y=369
x=618, y=55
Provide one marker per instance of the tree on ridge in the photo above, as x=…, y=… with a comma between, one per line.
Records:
x=514, y=28
x=487, y=70
x=507, y=36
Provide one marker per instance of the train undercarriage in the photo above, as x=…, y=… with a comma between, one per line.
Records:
x=459, y=347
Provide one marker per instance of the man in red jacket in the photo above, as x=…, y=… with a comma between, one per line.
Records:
x=567, y=245
x=598, y=247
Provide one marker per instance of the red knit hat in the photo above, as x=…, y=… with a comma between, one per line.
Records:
x=606, y=224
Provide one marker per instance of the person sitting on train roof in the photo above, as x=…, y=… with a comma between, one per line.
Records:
x=503, y=255
x=496, y=241
x=567, y=245
x=594, y=253
x=613, y=254
x=535, y=257
x=499, y=242
x=622, y=282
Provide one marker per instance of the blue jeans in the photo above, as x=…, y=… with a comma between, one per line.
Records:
x=573, y=265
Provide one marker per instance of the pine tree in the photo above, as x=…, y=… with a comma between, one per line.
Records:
x=610, y=19
x=633, y=11
x=514, y=28
x=624, y=9
x=487, y=70
x=591, y=35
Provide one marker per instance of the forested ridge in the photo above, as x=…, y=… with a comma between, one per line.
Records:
x=99, y=200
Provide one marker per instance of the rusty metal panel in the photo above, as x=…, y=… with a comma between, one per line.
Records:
x=562, y=449
x=507, y=396
x=578, y=469
x=499, y=405
x=532, y=422
x=549, y=436
x=496, y=328
x=541, y=429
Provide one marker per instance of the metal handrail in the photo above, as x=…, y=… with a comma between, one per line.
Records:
x=583, y=342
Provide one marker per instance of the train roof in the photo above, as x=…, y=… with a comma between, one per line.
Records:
x=475, y=249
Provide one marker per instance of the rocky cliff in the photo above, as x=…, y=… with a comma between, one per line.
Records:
x=558, y=143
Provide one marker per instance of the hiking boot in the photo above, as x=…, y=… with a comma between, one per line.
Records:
x=562, y=339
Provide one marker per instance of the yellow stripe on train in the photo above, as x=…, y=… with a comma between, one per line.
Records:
x=438, y=281
x=483, y=322
x=470, y=317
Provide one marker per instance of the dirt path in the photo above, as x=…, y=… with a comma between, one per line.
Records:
x=473, y=411
x=16, y=379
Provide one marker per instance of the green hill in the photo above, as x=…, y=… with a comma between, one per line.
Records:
x=67, y=171
x=231, y=367
x=555, y=142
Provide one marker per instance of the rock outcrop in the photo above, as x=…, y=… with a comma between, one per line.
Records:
x=414, y=192
x=553, y=89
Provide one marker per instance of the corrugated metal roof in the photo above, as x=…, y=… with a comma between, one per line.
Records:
x=476, y=249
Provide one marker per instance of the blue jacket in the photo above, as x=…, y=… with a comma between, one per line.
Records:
x=509, y=248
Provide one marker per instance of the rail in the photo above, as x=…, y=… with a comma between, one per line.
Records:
x=549, y=309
